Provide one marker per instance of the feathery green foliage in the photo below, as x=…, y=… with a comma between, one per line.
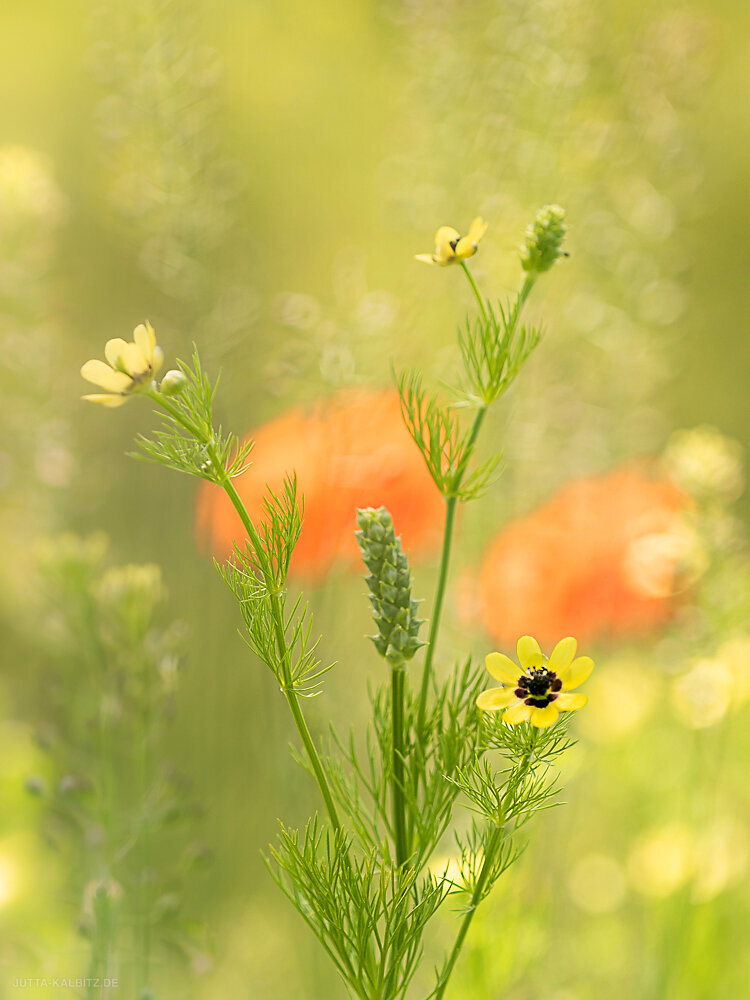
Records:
x=364, y=881
x=188, y=441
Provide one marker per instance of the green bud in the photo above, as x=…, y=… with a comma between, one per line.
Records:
x=543, y=240
x=173, y=383
x=389, y=583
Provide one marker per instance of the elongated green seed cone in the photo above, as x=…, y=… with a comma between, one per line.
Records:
x=389, y=583
x=543, y=240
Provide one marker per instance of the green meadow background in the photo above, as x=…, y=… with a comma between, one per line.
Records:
x=256, y=177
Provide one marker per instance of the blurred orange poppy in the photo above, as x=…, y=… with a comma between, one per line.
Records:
x=350, y=451
x=604, y=555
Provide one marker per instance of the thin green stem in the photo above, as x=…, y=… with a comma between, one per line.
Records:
x=276, y=611
x=451, y=501
x=313, y=756
x=472, y=440
x=178, y=415
x=528, y=283
x=285, y=658
x=450, y=518
x=476, y=897
x=493, y=845
x=398, y=676
x=475, y=289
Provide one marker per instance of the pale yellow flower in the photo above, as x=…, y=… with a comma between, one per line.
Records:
x=538, y=690
x=451, y=247
x=130, y=367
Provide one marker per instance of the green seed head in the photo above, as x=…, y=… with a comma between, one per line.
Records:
x=544, y=240
x=389, y=583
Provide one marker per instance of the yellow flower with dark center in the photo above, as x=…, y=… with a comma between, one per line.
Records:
x=130, y=367
x=539, y=689
x=451, y=247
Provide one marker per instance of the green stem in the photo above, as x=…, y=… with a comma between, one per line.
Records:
x=276, y=613
x=398, y=677
x=174, y=411
x=450, y=518
x=493, y=845
x=451, y=500
x=528, y=284
x=475, y=429
x=285, y=657
x=313, y=757
x=472, y=282
x=476, y=897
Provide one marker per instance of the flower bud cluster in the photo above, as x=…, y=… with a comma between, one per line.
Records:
x=543, y=240
x=389, y=583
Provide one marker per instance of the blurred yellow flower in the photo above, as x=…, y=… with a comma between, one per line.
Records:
x=723, y=851
x=704, y=694
x=27, y=187
x=621, y=699
x=538, y=690
x=130, y=368
x=705, y=464
x=713, y=859
x=597, y=883
x=735, y=655
x=451, y=247
x=662, y=860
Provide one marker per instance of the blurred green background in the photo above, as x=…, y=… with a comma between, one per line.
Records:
x=256, y=177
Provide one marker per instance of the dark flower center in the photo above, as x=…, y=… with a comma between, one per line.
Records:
x=538, y=687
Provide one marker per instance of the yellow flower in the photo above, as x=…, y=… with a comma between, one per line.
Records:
x=539, y=689
x=451, y=247
x=131, y=367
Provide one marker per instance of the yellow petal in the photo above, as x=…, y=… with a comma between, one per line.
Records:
x=157, y=359
x=105, y=399
x=145, y=338
x=465, y=248
x=577, y=672
x=443, y=239
x=529, y=653
x=562, y=655
x=502, y=668
x=544, y=717
x=495, y=698
x=427, y=258
x=570, y=702
x=113, y=350
x=516, y=713
x=107, y=378
x=133, y=361
x=445, y=236
x=477, y=229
